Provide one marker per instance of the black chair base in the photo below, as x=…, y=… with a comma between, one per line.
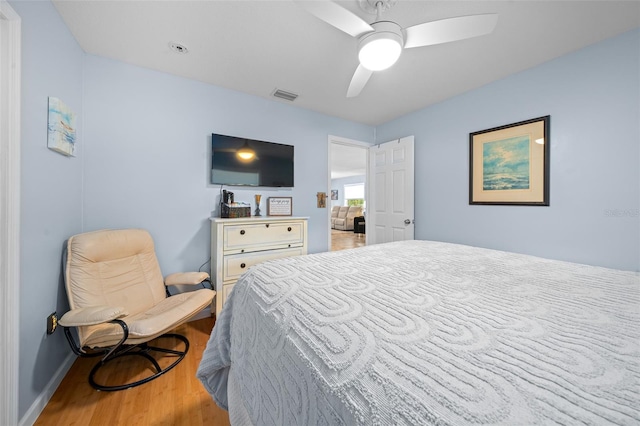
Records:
x=143, y=351
x=121, y=350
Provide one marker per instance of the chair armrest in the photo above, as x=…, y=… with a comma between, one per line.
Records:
x=91, y=315
x=181, y=278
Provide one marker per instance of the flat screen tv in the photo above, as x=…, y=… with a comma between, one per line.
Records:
x=248, y=162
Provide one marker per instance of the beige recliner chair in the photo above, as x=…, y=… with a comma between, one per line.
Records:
x=334, y=216
x=119, y=301
x=344, y=221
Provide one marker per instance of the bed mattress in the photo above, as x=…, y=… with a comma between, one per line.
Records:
x=422, y=332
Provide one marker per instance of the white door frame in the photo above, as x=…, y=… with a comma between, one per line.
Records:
x=10, y=59
x=349, y=142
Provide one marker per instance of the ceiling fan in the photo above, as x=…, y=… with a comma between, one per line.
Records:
x=380, y=43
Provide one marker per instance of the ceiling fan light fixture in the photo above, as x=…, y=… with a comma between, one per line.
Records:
x=381, y=49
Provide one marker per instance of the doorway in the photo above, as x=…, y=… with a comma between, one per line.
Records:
x=347, y=194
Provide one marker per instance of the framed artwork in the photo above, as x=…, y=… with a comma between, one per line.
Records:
x=509, y=165
x=280, y=206
x=61, y=128
x=334, y=194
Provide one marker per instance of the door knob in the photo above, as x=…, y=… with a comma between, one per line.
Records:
x=407, y=222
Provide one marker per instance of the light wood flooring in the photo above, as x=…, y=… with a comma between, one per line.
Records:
x=175, y=398
x=342, y=240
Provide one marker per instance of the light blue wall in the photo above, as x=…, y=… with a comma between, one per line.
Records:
x=593, y=97
x=51, y=191
x=339, y=185
x=147, y=150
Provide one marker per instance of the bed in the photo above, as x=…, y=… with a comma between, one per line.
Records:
x=422, y=332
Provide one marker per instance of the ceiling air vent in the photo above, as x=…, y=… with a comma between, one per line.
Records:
x=288, y=96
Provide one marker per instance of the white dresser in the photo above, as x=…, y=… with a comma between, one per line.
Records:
x=236, y=244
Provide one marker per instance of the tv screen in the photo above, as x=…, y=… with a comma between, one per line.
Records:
x=249, y=162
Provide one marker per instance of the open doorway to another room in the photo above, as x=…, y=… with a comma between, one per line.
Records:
x=347, y=194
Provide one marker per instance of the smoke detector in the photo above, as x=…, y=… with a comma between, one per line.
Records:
x=178, y=48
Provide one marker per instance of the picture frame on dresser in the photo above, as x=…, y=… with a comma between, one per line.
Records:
x=280, y=206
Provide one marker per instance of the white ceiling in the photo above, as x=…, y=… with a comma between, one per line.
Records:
x=258, y=46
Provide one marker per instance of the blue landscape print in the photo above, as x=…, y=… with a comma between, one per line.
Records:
x=505, y=164
x=61, y=127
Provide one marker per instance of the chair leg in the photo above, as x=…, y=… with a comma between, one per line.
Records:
x=143, y=351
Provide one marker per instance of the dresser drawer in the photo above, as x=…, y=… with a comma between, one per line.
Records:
x=262, y=236
x=226, y=290
x=236, y=264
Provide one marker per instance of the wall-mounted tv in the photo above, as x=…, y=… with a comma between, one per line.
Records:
x=249, y=162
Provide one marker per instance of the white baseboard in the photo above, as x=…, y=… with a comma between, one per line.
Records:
x=41, y=401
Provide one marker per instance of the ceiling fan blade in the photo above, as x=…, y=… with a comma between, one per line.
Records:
x=337, y=16
x=358, y=81
x=452, y=29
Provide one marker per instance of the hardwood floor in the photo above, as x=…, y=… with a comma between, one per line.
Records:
x=342, y=240
x=176, y=398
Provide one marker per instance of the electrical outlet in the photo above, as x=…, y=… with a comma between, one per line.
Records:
x=52, y=323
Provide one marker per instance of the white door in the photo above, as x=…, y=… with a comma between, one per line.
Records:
x=390, y=205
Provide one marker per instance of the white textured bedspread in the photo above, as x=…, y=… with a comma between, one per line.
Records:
x=421, y=333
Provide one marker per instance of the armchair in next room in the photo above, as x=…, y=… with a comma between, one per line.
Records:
x=344, y=221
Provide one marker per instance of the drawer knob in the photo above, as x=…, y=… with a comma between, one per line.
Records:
x=267, y=225
x=289, y=229
x=243, y=265
x=242, y=232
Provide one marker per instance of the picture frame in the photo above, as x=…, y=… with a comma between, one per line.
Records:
x=61, y=127
x=334, y=194
x=280, y=206
x=509, y=165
